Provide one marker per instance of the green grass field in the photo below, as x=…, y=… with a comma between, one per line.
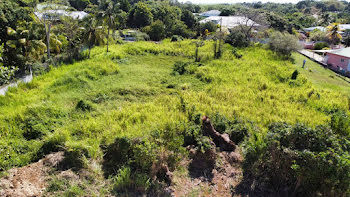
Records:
x=133, y=91
x=321, y=77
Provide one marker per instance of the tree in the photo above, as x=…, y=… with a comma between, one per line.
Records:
x=318, y=35
x=189, y=19
x=227, y=12
x=277, y=22
x=11, y=13
x=250, y=20
x=284, y=44
x=140, y=15
x=73, y=32
x=79, y=4
x=24, y=45
x=156, y=30
x=209, y=26
x=93, y=33
x=333, y=33
x=347, y=41
x=237, y=39
x=109, y=16
x=47, y=17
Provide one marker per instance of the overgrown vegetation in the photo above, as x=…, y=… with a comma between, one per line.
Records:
x=138, y=110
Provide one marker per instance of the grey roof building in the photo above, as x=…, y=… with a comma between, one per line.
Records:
x=210, y=13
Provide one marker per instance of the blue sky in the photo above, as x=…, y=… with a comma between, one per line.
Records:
x=238, y=1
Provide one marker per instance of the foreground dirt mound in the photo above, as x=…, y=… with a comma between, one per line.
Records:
x=29, y=180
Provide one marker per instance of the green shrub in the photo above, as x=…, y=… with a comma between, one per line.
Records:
x=176, y=38
x=117, y=155
x=84, y=106
x=284, y=44
x=236, y=129
x=304, y=161
x=237, y=38
x=321, y=45
x=340, y=123
x=7, y=74
x=295, y=75
x=236, y=53
x=180, y=67
x=210, y=26
x=156, y=30
x=52, y=143
x=37, y=122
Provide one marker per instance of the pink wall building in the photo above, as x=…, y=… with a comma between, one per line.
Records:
x=339, y=60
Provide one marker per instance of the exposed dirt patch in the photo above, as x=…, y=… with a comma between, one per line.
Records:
x=221, y=181
x=29, y=180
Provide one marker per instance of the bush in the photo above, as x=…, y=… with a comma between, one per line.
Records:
x=180, y=67
x=210, y=26
x=284, y=44
x=321, y=45
x=181, y=29
x=7, y=74
x=237, y=39
x=300, y=160
x=176, y=38
x=84, y=106
x=156, y=30
x=295, y=75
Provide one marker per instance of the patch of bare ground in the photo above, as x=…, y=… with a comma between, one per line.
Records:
x=218, y=181
x=215, y=172
x=30, y=180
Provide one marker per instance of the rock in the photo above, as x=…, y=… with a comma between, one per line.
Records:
x=221, y=140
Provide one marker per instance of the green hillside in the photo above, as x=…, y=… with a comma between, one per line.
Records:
x=134, y=92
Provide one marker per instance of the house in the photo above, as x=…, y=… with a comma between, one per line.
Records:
x=210, y=13
x=230, y=22
x=339, y=60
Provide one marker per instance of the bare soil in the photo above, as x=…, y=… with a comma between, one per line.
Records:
x=31, y=180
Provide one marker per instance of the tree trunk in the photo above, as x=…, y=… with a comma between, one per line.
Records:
x=48, y=29
x=108, y=38
x=197, y=59
x=89, y=52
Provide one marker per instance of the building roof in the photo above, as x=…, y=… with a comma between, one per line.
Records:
x=211, y=13
x=344, y=26
x=310, y=29
x=342, y=52
x=229, y=21
x=56, y=14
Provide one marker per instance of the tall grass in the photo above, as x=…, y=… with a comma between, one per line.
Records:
x=132, y=91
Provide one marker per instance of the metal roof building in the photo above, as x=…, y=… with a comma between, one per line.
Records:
x=230, y=21
x=210, y=13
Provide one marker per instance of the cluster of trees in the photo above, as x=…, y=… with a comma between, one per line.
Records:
x=27, y=39
x=330, y=37
x=306, y=13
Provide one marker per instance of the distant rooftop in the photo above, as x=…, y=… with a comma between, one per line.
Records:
x=56, y=14
x=230, y=21
x=310, y=29
x=344, y=26
x=211, y=13
x=342, y=52
x=43, y=6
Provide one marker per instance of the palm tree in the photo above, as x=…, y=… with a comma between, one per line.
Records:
x=333, y=33
x=109, y=17
x=93, y=33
